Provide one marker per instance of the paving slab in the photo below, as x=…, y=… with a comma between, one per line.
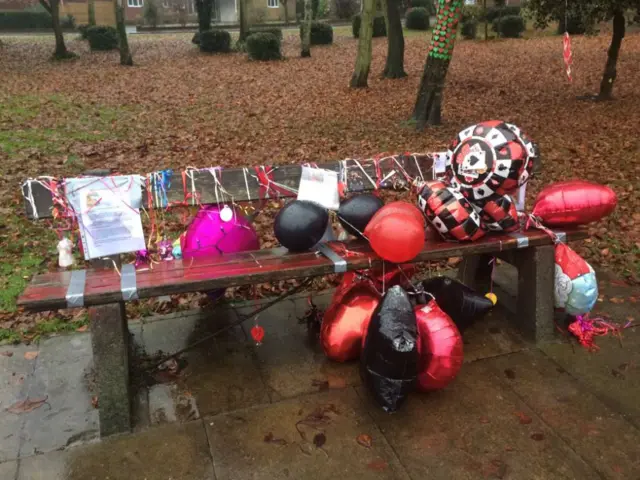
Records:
x=266, y=442
x=68, y=417
x=15, y=370
x=602, y=437
x=177, y=451
x=472, y=430
x=612, y=373
x=9, y=470
x=290, y=362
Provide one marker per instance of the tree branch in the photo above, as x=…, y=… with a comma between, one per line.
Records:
x=46, y=6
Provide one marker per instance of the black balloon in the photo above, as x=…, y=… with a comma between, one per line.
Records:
x=300, y=224
x=460, y=302
x=389, y=360
x=354, y=214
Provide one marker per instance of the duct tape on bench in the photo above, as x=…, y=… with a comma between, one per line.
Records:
x=561, y=236
x=523, y=240
x=75, y=290
x=128, y=283
x=339, y=263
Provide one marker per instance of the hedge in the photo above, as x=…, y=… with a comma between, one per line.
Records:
x=321, y=33
x=263, y=46
x=496, y=12
x=469, y=28
x=273, y=30
x=510, y=26
x=102, y=37
x=215, y=41
x=417, y=19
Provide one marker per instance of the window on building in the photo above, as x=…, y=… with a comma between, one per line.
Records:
x=135, y=3
x=273, y=3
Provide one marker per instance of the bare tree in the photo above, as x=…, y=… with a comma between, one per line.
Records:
x=363, y=58
x=123, y=42
x=53, y=7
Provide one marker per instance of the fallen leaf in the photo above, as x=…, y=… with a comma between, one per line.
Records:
x=27, y=405
x=336, y=381
x=82, y=328
x=30, y=355
x=615, y=373
x=616, y=300
x=538, y=437
x=269, y=438
x=319, y=439
x=524, y=418
x=6, y=353
x=364, y=440
x=510, y=374
x=604, y=252
x=618, y=283
x=94, y=401
x=378, y=465
x=633, y=299
x=485, y=420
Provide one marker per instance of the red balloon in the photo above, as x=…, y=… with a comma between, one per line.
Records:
x=400, y=207
x=396, y=233
x=439, y=346
x=345, y=321
x=573, y=203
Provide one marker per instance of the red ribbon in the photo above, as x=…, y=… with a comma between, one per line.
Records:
x=267, y=185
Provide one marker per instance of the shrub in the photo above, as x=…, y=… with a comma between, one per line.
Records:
x=346, y=8
x=102, y=37
x=25, y=20
x=215, y=41
x=379, y=26
x=277, y=32
x=68, y=22
x=510, y=26
x=469, y=28
x=496, y=12
x=263, y=46
x=82, y=30
x=574, y=25
x=426, y=4
x=417, y=19
x=321, y=33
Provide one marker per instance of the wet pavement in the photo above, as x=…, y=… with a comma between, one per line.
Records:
x=281, y=410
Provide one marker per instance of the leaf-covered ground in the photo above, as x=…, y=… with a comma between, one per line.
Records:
x=179, y=108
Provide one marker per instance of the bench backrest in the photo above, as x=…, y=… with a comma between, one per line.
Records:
x=215, y=185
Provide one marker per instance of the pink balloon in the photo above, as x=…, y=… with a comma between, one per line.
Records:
x=210, y=235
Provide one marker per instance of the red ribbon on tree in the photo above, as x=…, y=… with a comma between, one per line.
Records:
x=567, y=55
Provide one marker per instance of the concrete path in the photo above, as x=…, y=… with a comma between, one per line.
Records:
x=283, y=411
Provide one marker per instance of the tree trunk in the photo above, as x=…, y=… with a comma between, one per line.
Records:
x=123, y=42
x=92, y=12
x=286, y=12
x=305, y=49
x=609, y=76
x=242, y=17
x=394, y=67
x=204, y=9
x=363, y=58
x=53, y=8
x=427, y=110
x=486, y=23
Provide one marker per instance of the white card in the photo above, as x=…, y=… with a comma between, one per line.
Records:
x=108, y=213
x=439, y=163
x=522, y=195
x=319, y=186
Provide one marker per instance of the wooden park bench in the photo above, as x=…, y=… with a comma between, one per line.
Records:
x=105, y=290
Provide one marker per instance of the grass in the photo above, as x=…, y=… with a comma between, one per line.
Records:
x=52, y=123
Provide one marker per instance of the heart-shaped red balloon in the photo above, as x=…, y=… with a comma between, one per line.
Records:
x=439, y=346
x=346, y=319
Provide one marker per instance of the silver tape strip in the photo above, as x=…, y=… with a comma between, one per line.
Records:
x=128, y=283
x=75, y=290
x=523, y=240
x=561, y=236
x=339, y=263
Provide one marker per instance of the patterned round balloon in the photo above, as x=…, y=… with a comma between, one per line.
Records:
x=488, y=159
x=449, y=212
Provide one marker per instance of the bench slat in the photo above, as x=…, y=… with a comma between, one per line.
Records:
x=243, y=185
x=48, y=291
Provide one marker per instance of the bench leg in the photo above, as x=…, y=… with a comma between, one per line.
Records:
x=475, y=272
x=536, y=275
x=110, y=344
